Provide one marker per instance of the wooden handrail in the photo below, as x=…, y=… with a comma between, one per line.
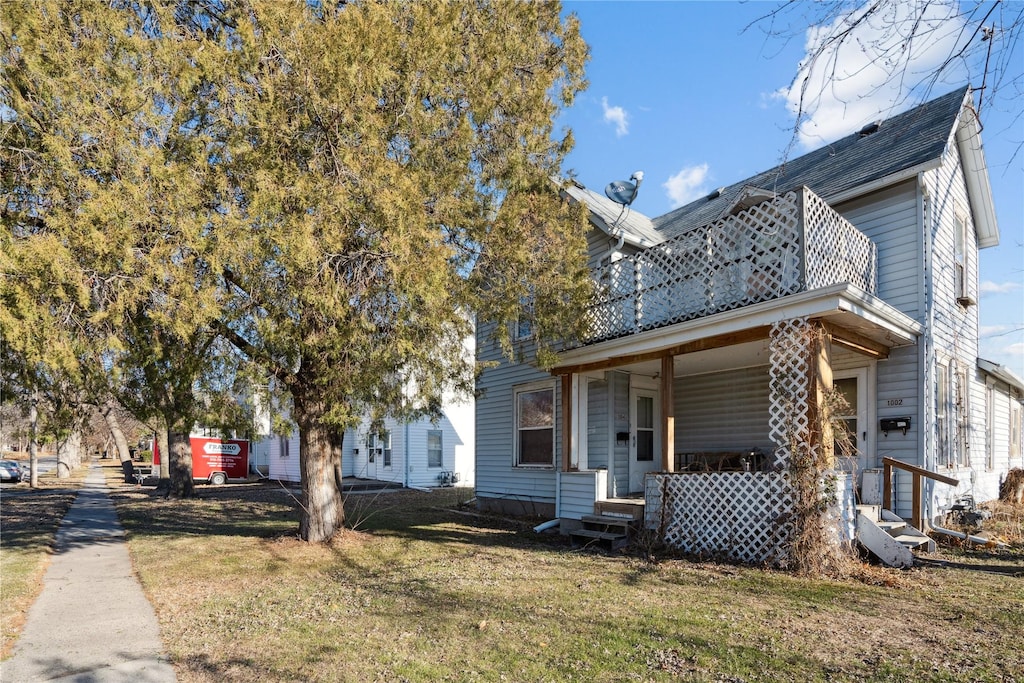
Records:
x=900, y=465
x=919, y=475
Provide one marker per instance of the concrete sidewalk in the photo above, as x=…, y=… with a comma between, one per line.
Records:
x=92, y=623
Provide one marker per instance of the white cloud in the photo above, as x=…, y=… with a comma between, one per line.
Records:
x=687, y=185
x=986, y=331
x=989, y=287
x=1014, y=349
x=616, y=115
x=869, y=76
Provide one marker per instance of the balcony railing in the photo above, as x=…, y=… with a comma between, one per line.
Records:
x=789, y=244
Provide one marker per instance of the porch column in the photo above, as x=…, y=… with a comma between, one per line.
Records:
x=820, y=380
x=668, y=418
x=568, y=422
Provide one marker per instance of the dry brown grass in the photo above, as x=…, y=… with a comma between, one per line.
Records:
x=28, y=523
x=423, y=592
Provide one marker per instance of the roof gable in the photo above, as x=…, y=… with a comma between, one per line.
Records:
x=904, y=144
x=614, y=219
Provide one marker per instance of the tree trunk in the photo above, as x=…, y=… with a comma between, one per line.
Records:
x=323, y=510
x=33, y=443
x=65, y=457
x=179, y=463
x=109, y=412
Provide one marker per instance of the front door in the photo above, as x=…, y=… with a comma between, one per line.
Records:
x=644, y=439
x=852, y=447
x=372, y=457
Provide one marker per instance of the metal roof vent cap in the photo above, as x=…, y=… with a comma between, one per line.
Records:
x=869, y=129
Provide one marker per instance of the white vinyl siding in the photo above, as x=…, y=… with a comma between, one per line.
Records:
x=496, y=476
x=890, y=219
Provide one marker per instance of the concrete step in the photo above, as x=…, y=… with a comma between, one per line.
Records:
x=912, y=541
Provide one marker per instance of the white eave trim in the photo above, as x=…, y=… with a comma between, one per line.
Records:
x=975, y=169
x=1001, y=372
x=901, y=329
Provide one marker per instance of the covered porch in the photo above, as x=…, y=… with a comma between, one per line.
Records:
x=714, y=378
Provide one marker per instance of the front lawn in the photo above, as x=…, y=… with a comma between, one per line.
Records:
x=425, y=590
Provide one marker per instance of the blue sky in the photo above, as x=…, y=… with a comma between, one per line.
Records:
x=693, y=95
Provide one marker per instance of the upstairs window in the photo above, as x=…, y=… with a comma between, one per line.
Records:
x=961, y=288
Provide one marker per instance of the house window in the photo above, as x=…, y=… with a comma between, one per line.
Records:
x=963, y=420
x=535, y=426
x=379, y=448
x=960, y=286
x=435, y=454
x=283, y=447
x=990, y=427
x=522, y=328
x=942, y=416
x=1015, y=428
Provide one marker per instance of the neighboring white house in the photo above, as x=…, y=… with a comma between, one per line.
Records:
x=422, y=453
x=871, y=243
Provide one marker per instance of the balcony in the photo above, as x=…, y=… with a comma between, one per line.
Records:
x=786, y=245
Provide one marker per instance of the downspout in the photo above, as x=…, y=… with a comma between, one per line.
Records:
x=980, y=540
x=406, y=448
x=927, y=354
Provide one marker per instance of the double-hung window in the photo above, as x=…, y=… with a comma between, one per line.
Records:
x=535, y=426
x=435, y=454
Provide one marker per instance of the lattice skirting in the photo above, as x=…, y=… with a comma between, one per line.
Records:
x=740, y=516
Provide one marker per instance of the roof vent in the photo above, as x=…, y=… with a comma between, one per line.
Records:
x=716, y=194
x=869, y=129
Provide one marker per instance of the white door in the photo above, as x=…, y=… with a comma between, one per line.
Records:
x=852, y=386
x=644, y=437
x=372, y=456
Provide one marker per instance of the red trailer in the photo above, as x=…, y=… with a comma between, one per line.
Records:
x=216, y=461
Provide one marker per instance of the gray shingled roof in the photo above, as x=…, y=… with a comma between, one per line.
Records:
x=638, y=228
x=905, y=141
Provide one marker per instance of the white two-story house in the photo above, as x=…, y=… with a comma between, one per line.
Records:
x=865, y=250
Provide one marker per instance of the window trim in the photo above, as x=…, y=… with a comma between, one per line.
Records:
x=533, y=387
x=440, y=448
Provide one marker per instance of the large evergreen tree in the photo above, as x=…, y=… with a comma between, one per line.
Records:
x=337, y=189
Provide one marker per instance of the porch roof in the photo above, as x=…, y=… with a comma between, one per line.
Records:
x=856, y=319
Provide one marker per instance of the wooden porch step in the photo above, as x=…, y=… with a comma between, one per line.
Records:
x=613, y=540
x=627, y=508
x=608, y=521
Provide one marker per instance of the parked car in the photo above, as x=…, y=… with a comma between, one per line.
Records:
x=10, y=470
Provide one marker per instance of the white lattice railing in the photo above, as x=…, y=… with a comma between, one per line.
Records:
x=742, y=516
x=789, y=244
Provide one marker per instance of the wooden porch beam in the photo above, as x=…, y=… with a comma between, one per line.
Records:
x=668, y=418
x=705, y=344
x=856, y=342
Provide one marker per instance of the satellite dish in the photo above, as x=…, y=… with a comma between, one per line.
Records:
x=622, y=191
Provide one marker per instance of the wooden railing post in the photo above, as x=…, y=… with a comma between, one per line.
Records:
x=886, y=485
x=917, y=494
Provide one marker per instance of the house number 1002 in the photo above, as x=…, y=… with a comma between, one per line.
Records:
x=894, y=402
